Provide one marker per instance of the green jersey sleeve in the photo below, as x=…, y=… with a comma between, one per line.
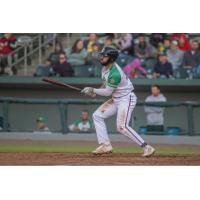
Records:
x=114, y=79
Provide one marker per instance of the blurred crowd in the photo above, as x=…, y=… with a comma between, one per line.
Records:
x=155, y=55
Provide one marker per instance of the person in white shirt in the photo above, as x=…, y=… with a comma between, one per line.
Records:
x=175, y=56
x=155, y=115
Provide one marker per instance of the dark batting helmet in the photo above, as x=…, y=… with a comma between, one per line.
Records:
x=110, y=52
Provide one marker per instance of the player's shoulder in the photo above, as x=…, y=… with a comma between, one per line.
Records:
x=114, y=77
x=115, y=71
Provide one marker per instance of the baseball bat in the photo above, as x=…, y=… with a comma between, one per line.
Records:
x=54, y=82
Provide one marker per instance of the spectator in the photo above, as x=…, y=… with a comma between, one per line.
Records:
x=7, y=45
x=192, y=57
x=41, y=126
x=167, y=43
x=84, y=124
x=77, y=54
x=176, y=36
x=63, y=68
x=155, y=115
x=175, y=56
x=53, y=58
x=93, y=59
x=109, y=42
x=112, y=35
x=93, y=55
x=156, y=39
x=163, y=68
x=88, y=43
x=132, y=69
x=183, y=42
x=125, y=43
x=144, y=50
x=165, y=46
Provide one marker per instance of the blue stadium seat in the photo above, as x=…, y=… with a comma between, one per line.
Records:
x=83, y=71
x=173, y=130
x=142, y=130
x=123, y=60
x=185, y=73
x=150, y=63
x=97, y=70
x=1, y=123
x=42, y=71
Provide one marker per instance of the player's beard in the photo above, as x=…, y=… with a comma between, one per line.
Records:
x=109, y=61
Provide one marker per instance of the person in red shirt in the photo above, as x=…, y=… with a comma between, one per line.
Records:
x=7, y=44
x=183, y=41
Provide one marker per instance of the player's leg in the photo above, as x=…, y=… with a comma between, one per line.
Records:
x=106, y=110
x=125, y=109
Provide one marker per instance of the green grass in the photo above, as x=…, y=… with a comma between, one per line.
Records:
x=86, y=149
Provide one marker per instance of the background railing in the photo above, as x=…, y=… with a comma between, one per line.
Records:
x=63, y=108
x=28, y=46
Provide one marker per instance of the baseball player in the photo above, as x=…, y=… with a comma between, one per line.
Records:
x=117, y=85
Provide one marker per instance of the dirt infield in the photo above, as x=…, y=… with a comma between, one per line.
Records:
x=88, y=159
x=40, y=156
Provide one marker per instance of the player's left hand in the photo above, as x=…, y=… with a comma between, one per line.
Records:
x=88, y=91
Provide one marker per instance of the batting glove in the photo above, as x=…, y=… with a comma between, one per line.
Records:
x=88, y=91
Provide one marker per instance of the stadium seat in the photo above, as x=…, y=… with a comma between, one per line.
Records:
x=123, y=60
x=185, y=73
x=83, y=71
x=142, y=130
x=173, y=130
x=42, y=71
x=151, y=130
x=149, y=64
x=1, y=123
x=97, y=69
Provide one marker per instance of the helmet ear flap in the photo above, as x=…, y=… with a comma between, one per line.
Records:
x=114, y=56
x=112, y=59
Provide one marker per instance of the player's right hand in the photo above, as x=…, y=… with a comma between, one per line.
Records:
x=88, y=91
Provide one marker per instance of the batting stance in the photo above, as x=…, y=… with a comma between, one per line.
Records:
x=122, y=103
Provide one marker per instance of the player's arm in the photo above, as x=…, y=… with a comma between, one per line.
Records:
x=107, y=91
x=113, y=82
